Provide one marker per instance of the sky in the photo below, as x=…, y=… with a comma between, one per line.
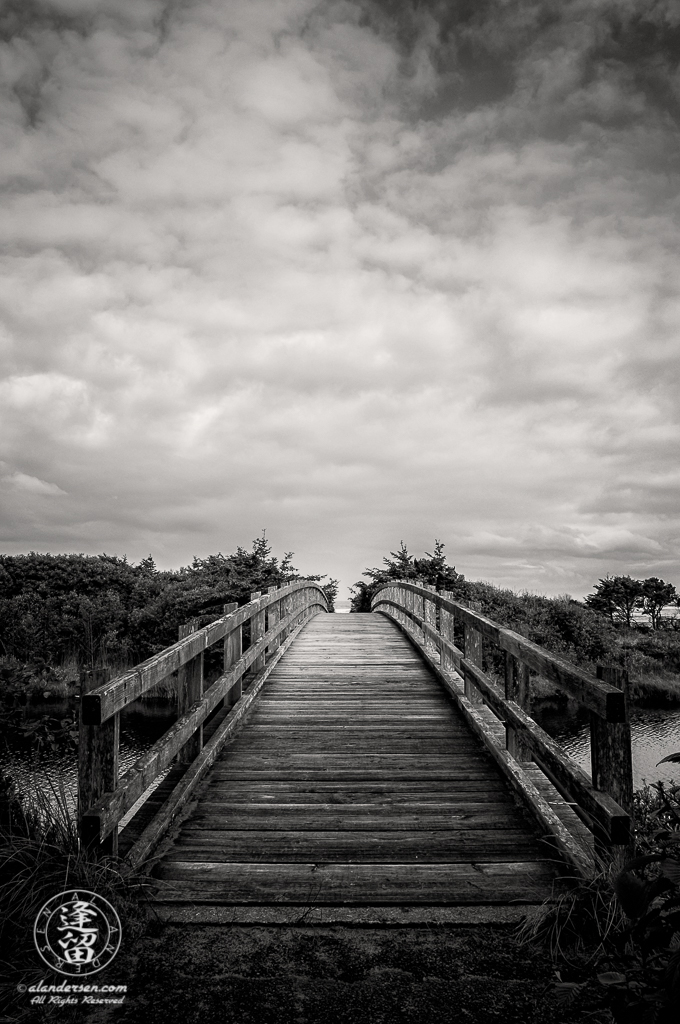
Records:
x=351, y=272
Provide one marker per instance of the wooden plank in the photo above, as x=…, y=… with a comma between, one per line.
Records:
x=480, y=882
x=360, y=776
x=103, y=702
x=440, y=846
x=488, y=816
x=324, y=791
x=112, y=806
x=597, y=696
x=610, y=817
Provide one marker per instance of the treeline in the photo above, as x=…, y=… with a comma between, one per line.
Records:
x=101, y=609
x=588, y=632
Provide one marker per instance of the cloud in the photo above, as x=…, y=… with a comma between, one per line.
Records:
x=31, y=484
x=350, y=271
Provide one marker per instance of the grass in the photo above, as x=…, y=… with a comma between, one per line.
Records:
x=658, y=689
x=40, y=856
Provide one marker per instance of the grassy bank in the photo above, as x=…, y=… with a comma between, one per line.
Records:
x=39, y=858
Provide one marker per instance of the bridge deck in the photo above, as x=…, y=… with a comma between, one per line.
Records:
x=354, y=782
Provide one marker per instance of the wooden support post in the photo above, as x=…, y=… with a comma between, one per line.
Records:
x=98, y=747
x=257, y=631
x=273, y=617
x=233, y=649
x=419, y=610
x=446, y=626
x=610, y=752
x=430, y=616
x=410, y=607
x=517, y=688
x=473, y=653
x=189, y=691
x=286, y=606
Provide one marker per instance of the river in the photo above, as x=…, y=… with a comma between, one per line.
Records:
x=655, y=733
x=54, y=773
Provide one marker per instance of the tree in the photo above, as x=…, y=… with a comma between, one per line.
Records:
x=432, y=569
x=617, y=595
x=656, y=594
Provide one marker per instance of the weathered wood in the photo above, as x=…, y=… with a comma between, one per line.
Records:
x=606, y=814
x=436, y=846
x=517, y=688
x=189, y=692
x=98, y=750
x=233, y=650
x=571, y=849
x=610, y=749
x=483, y=882
x=113, y=805
x=273, y=616
x=257, y=630
x=473, y=654
x=304, y=782
x=601, y=697
x=181, y=793
x=106, y=700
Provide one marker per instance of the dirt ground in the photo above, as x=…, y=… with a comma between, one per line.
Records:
x=324, y=975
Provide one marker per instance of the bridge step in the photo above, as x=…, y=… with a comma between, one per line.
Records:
x=354, y=783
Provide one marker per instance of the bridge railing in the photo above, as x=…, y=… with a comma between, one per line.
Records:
x=604, y=801
x=274, y=619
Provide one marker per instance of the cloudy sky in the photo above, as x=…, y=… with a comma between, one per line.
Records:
x=352, y=271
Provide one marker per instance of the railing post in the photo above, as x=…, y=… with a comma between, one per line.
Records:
x=98, y=747
x=517, y=688
x=429, y=613
x=473, y=653
x=286, y=606
x=419, y=611
x=446, y=624
x=610, y=747
x=189, y=690
x=410, y=607
x=233, y=649
x=257, y=631
x=273, y=617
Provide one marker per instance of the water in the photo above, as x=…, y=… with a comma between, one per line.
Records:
x=141, y=725
x=655, y=733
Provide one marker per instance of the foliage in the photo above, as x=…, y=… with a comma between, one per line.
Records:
x=104, y=610
x=432, y=569
x=655, y=596
x=615, y=938
x=39, y=857
x=617, y=597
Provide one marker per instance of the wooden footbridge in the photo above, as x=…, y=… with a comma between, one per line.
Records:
x=374, y=767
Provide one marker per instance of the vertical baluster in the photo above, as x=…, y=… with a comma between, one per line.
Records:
x=257, y=631
x=419, y=611
x=473, y=653
x=273, y=617
x=98, y=747
x=233, y=648
x=429, y=610
x=286, y=605
x=190, y=690
x=517, y=688
x=610, y=748
x=446, y=627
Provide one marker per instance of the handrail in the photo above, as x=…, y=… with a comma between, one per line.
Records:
x=103, y=797
x=604, y=803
